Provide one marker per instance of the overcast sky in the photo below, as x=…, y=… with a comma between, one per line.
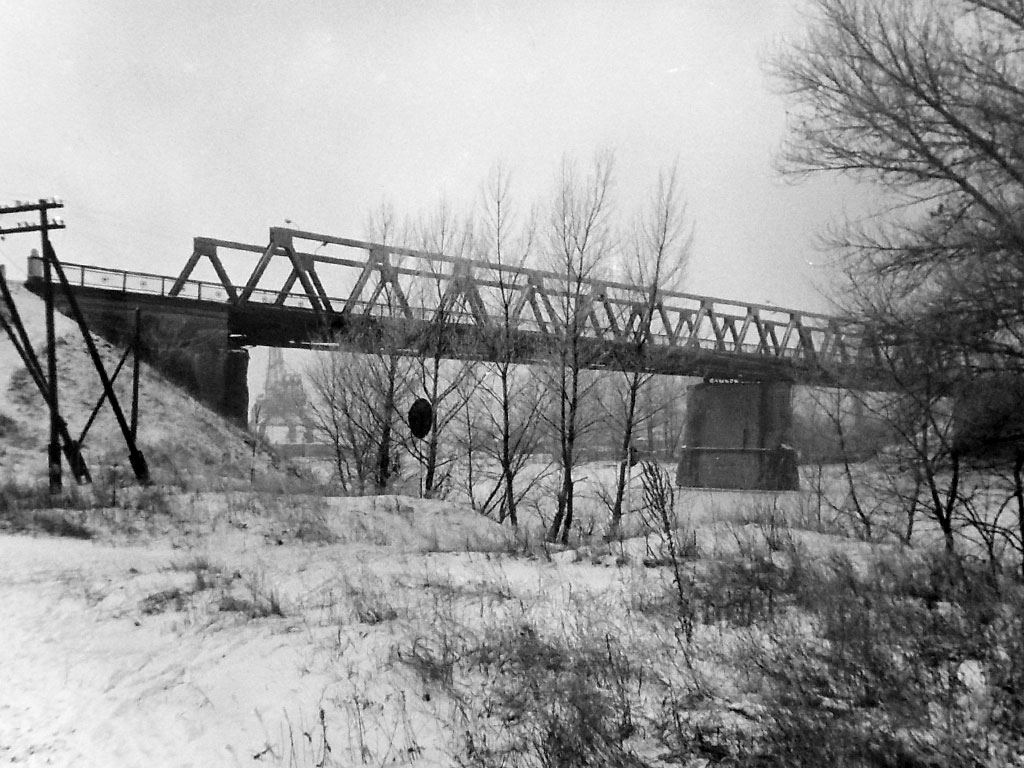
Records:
x=160, y=121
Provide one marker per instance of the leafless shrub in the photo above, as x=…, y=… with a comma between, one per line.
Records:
x=550, y=703
x=207, y=575
x=260, y=607
x=312, y=527
x=900, y=667
x=28, y=508
x=305, y=746
x=433, y=659
x=261, y=602
x=164, y=600
x=658, y=512
x=9, y=429
x=371, y=606
x=771, y=523
x=808, y=514
x=22, y=388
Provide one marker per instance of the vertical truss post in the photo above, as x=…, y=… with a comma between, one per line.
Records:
x=303, y=270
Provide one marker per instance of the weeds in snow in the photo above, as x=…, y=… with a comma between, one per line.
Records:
x=262, y=602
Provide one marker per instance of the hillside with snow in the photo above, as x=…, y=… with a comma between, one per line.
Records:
x=183, y=441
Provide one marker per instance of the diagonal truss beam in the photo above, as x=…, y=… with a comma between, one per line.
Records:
x=207, y=247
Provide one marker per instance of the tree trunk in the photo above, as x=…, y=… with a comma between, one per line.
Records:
x=569, y=501
x=507, y=459
x=569, y=456
x=384, y=449
x=556, y=524
x=627, y=440
x=946, y=518
x=1018, y=492
x=431, y=458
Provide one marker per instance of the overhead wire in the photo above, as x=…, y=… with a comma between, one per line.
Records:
x=106, y=218
x=12, y=262
x=19, y=267
x=102, y=230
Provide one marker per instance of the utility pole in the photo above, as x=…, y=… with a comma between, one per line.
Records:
x=53, y=447
x=52, y=268
x=44, y=227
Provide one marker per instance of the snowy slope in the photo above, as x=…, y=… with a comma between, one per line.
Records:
x=182, y=440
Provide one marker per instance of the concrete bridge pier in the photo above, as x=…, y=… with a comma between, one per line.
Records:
x=737, y=436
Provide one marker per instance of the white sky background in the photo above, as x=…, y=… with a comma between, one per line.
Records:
x=159, y=121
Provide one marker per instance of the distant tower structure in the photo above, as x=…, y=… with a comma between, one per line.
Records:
x=281, y=412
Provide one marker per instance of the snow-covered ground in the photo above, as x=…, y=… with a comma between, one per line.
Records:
x=217, y=632
x=211, y=622
x=170, y=652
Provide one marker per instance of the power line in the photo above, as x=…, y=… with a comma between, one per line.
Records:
x=8, y=259
x=123, y=220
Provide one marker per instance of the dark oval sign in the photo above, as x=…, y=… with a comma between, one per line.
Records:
x=421, y=418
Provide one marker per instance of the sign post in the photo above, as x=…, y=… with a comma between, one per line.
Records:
x=421, y=421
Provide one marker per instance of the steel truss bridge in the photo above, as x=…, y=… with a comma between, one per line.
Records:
x=337, y=291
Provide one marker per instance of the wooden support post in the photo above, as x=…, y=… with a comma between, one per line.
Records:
x=103, y=398
x=135, y=457
x=136, y=346
x=15, y=330
x=53, y=446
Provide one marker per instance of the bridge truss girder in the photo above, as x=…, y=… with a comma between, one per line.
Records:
x=359, y=287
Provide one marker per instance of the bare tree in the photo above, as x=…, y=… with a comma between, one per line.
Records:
x=387, y=371
x=344, y=410
x=580, y=241
x=832, y=435
x=656, y=259
x=667, y=395
x=442, y=380
x=924, y=98
x=508, y=440
x=511, y=398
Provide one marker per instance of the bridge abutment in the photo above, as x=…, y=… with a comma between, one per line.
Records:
x=737, y=435
x=191, y=348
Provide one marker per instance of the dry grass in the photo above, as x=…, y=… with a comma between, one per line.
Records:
x=760, y=637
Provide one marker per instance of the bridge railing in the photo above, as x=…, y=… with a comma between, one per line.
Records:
x=151, y=284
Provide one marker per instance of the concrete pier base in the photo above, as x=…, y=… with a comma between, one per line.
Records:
x=737, y=436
